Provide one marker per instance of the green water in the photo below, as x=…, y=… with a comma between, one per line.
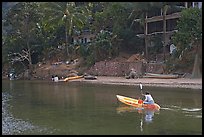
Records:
x=63, y=108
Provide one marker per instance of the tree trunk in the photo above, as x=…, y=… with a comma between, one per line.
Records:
x=29, y=59
x=164, y=32
x=196, y=67
x=66, y=33
x=30, y=70
x=70, y=34
x=145, y=36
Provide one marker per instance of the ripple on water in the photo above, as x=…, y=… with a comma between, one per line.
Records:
x=11, y=125
x=192, y=109
x=189, y=112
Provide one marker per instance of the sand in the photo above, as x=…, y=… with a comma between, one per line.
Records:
x=174, y=83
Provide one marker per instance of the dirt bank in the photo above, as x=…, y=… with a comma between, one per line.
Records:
x=174, y=83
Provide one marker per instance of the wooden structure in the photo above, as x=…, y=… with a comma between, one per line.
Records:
x=164, y=17
x=84, y=38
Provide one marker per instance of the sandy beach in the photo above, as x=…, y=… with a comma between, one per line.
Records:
x=174, y=83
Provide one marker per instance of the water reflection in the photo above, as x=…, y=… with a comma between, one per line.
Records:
x=11, y=86
x=146, y=114
x=149, y=116
x=38, y=107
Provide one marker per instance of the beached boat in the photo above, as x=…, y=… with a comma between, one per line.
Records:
x=72, y=78
x=161, y=76
x=137, y=103
x=90, y=77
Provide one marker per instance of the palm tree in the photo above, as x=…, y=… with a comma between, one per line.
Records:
x=68, y=14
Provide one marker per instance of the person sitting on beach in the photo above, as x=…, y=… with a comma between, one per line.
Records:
x=148, y=98
x=52, y=78
x=56, y=79
x=133, y=74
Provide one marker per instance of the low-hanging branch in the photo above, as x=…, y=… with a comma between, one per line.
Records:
x=15, y=57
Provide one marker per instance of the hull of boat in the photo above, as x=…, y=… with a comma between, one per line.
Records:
x=161, y=76
x=72, y=78
x=136, y=103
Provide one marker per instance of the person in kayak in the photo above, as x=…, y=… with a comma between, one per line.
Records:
x=148, y=98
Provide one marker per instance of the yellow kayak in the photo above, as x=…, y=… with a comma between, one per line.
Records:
x=137, y=103
x=72, y=78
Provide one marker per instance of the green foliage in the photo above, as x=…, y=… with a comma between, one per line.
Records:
x=102, y=45
x=115, y=18
x=100, y=48
x=42, y=27
x=189, y=29
x=188, y=39
x=66, y=14
x=158, y=46
x=22, y=34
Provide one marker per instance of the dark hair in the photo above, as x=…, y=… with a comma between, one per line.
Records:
x=147, y=93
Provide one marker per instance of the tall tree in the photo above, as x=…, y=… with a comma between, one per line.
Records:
x=189, y=37
x=68, y=14
x=21, y=39
x=113, y=18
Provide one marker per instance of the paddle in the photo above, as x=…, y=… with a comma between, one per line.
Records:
x=140, y=90
x=140, y=87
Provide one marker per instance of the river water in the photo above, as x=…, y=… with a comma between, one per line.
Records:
x=73, y=108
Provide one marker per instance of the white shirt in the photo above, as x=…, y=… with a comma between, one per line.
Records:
x=56, y=79
x=148, y=98
x=172, y=48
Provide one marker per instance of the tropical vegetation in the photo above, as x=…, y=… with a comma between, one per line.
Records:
x=34, y=31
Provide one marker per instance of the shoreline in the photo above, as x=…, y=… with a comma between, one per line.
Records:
x=186, y=83
x=171, y=83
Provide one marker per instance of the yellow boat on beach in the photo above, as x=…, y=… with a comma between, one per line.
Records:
x=72, y=78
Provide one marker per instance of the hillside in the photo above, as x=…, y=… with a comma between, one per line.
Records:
x=119, y=66
x=112, y=67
